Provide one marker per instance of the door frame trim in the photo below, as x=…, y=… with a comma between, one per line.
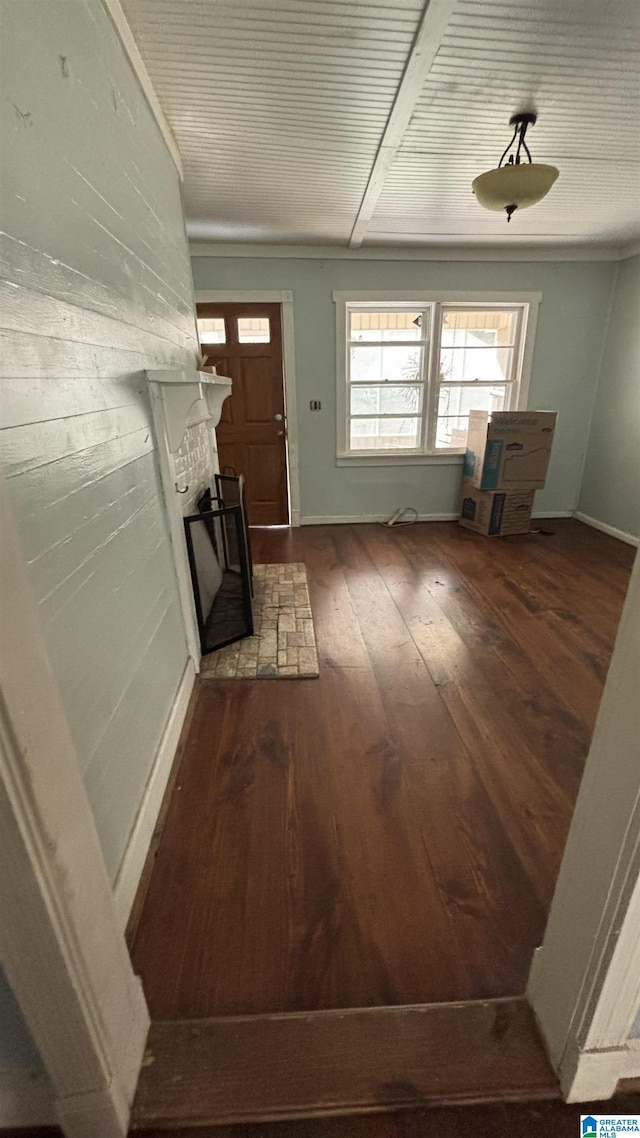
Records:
x=285, y=300
x=61, y=947
x=584, y=983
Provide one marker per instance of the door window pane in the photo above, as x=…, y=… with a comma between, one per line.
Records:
x=254, y=330
x=375, y=363
x=385, y=434
x=211, y=330
x=390, y=325
x=386, y=399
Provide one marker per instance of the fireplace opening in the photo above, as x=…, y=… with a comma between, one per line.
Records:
x=219, y=553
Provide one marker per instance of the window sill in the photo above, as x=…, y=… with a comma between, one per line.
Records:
x=454, y=458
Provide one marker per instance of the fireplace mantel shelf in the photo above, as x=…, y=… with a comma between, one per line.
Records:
x=179, y=389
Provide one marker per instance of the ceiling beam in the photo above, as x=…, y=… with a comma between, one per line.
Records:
x=433, y=24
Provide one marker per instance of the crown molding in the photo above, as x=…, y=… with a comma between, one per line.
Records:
x=583, y=252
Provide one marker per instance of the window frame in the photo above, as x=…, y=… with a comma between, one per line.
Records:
x=426, y=453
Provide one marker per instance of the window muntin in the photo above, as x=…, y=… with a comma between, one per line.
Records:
x=405, y=395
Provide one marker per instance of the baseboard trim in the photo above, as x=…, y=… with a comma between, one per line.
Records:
x=357, y=519
x=135, y=856
x=360, y=519
x=26, y=1099
x=621, y=534
x=592, y=1076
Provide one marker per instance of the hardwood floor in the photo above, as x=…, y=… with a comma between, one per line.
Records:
x=391, y=832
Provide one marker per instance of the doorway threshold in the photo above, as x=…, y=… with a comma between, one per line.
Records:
x=297, y=1065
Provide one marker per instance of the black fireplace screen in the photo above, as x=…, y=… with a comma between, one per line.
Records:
x=220, y=562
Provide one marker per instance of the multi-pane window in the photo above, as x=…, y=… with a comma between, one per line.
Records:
x=386, y=351
x=414, y=372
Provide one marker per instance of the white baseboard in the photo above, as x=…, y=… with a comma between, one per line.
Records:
x=137, y=848
x=621, y=534
x=356, y=519
x=26, y=1099
x=589, y=1076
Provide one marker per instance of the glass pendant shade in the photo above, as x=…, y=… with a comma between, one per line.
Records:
x=519, y=185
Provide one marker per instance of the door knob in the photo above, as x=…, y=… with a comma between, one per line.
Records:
x=278, y=418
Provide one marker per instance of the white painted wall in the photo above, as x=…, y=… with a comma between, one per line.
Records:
x=97, y=288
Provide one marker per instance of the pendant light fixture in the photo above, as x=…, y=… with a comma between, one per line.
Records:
x=515, y=184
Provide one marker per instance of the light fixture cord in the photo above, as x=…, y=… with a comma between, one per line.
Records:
x=523, y=131
x=519, y=133
x=515, y=135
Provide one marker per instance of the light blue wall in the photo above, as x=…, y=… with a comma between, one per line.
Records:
x=611, y=484
x=568, y=344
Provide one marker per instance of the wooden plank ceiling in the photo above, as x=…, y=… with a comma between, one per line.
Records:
x=341, y=121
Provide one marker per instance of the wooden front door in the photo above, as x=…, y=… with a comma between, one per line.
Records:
x=245, y=342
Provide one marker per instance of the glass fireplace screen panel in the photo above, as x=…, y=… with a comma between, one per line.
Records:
x=218, y=559
x=230, y=492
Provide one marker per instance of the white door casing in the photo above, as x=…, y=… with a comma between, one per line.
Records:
x=60, y=944
x=584, y=984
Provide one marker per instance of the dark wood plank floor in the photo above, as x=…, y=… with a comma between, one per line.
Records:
x=391, y=832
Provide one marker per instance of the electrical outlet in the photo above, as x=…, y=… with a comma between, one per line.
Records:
x=315, y=405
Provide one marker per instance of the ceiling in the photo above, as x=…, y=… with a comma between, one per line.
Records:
x=363, y=123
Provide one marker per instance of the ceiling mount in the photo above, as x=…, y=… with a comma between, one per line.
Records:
x=514, y=183
x=526, y=117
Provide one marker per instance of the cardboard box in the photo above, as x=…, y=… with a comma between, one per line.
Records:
x=496, y=513
x=509, y=450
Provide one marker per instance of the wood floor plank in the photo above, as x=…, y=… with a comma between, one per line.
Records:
x=287, y=1066
x=391, y=832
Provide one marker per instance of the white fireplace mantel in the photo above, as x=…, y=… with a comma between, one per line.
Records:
x=178, y=390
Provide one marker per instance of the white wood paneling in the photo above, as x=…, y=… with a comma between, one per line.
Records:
x=64, y=955
x=96, y=289
x=574, y=62
x=295, y=119
x=278, y=109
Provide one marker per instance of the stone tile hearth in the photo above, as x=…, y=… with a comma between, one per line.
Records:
x=284, y=643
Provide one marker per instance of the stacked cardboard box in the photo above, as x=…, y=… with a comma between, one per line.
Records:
x=506, y=462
